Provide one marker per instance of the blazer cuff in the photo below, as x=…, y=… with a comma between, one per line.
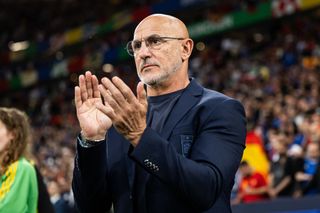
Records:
x=146, y=153
x=87, y=156
x=88, y=143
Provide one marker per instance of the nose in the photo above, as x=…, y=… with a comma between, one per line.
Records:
x=144, y=51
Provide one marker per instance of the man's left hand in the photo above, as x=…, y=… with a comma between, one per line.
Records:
x=127, y=112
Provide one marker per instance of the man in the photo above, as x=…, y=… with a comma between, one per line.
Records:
x=307, y=170
x=175, y=151
x=253, y=185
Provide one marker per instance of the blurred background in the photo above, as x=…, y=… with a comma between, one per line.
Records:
x=265, y=53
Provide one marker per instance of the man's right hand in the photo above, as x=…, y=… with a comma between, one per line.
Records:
x=94, y=124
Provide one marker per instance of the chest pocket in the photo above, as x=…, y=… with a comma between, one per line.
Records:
x=186, y=144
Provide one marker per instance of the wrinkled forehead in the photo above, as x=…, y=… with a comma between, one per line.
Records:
x=153, y=27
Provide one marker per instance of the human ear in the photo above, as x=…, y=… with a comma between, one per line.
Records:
x=187, y=47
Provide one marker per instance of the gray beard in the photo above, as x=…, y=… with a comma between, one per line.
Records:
x=157, y=82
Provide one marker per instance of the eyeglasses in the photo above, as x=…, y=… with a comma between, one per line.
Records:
x=153, y=42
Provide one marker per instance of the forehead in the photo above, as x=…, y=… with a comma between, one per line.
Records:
x=154, y=26
x=2, y=126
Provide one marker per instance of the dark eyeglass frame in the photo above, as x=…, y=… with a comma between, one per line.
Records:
x=148, y=41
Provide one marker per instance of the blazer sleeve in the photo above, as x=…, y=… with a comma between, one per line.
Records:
x=214, y=159
x=89, y=182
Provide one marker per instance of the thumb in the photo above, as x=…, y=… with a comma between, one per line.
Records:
x=141, y=94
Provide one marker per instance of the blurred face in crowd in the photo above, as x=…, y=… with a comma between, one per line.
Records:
x=313, y=151
x=157, y=63
x=53, y=188
x=245, y=170
x=5, y=137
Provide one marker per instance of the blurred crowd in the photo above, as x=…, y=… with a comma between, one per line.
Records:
x=274, y=70
x=61, y=14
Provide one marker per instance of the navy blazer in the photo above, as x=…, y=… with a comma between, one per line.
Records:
x=191, y=163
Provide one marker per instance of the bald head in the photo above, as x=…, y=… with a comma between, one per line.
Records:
x=164, y=25
x=162, y=48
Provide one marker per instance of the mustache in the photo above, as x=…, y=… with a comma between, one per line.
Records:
x=148, y=62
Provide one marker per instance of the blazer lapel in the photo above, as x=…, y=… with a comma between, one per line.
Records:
x=187, y=100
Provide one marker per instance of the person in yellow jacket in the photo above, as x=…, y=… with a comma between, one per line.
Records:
x=19, y=182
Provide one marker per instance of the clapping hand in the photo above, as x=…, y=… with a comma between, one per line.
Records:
x=93, y=122
x=127, y=112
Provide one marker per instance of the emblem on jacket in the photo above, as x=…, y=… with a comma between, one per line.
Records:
x=186, y=143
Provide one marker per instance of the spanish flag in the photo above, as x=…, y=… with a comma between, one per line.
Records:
x=255, y=154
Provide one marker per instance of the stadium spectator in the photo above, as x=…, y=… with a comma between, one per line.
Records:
x=307, y=171
x=253, y=186
x=60, y=204
x=22, y=189
x=281, y=175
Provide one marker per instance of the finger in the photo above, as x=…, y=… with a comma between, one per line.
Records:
x=108, y=98
x=124, y=89
x=141, y=93
x=83, y=88
x=106, y=109
x=88, y=76
x=115, y=93
x=77, y=97
x=95, y=83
